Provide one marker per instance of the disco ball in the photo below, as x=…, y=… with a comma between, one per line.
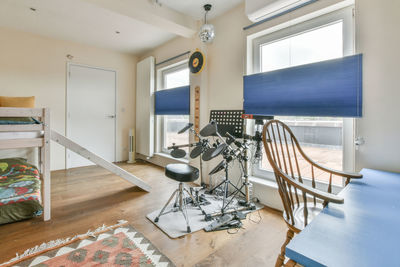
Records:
x=207, y=33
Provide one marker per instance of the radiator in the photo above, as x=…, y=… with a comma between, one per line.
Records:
x=145, y=107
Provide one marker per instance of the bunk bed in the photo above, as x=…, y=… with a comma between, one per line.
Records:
x=24, y=187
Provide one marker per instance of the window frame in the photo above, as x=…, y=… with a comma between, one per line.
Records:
x=346, y=16
x=160, y=121
x=169, y=70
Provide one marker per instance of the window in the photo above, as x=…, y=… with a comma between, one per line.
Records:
x=172, y=77
x=318, y=44
x=323, y=38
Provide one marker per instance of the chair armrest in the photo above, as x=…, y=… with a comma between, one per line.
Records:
x=347, y=175
x=351, y=175
x=327, y=197
x=332, y=171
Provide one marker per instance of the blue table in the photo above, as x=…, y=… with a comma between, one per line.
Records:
x=364, y=231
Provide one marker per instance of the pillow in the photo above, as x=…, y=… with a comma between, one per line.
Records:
x=17, y=102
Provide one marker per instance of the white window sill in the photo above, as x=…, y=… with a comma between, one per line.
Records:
x=266, y=191
x=168, y=156
x=263, y=182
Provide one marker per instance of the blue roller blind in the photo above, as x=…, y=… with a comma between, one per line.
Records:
x=331, y=88
x=175, y=101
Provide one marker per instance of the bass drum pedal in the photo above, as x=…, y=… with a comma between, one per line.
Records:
x=243, y=203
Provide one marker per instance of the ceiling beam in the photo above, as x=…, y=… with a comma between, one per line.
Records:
x=153, y=14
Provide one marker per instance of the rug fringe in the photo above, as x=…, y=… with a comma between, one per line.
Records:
x=58, y=242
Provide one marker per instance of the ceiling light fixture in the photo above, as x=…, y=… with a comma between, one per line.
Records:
x=207, y=32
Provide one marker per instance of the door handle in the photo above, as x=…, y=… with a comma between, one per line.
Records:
x=359, y=141
x=110, y=116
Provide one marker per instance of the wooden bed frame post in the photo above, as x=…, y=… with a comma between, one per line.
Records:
x=45, y=160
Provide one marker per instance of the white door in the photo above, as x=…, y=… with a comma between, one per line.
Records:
x=91, y=112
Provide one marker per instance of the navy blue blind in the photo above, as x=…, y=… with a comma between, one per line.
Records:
x=331, y=88
x=174, y=101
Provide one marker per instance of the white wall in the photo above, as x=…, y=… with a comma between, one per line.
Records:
x=35, y=65
x=226, y=59
x=377, y=35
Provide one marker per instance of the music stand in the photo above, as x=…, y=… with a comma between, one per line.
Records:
x=230, y=121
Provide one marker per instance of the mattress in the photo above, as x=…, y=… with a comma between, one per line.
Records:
x=17, y=120
x=20, y=195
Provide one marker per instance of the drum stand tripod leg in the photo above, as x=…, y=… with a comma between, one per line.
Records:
x=195, y=202
x=212, y=190
x=165, y=206
x=176, y=203
x=226, y=188
x=183, y=206
x=201, y=174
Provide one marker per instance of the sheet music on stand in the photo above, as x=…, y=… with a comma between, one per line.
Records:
x=230, y=121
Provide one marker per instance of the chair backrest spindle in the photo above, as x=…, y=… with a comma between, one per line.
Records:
x=287, y=159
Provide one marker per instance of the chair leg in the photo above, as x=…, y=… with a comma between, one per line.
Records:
x=281, y=258
x=291, y=263
x=165, y=206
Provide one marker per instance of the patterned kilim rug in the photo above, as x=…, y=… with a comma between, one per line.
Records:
x=118, y=245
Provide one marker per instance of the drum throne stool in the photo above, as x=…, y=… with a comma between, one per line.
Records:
x=182, y=173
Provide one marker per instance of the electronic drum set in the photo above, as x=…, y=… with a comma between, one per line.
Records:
x=231, y=149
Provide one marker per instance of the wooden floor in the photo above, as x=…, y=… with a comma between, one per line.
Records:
x=85, y=198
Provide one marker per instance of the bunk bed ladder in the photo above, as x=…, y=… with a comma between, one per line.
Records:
x=71, y=145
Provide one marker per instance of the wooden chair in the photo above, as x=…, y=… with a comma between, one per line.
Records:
x=301, y=199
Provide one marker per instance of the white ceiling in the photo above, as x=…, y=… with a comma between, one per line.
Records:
x=77, y=21
x=195, y=8
x=142, y=24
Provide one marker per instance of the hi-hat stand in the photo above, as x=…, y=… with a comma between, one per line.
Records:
x=228, y=123
x=203, y=143
x=242, y=154
x=232, y=122
x=200, y=147
x=239, y=154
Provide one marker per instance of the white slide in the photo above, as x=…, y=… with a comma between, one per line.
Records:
x=71, y=145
